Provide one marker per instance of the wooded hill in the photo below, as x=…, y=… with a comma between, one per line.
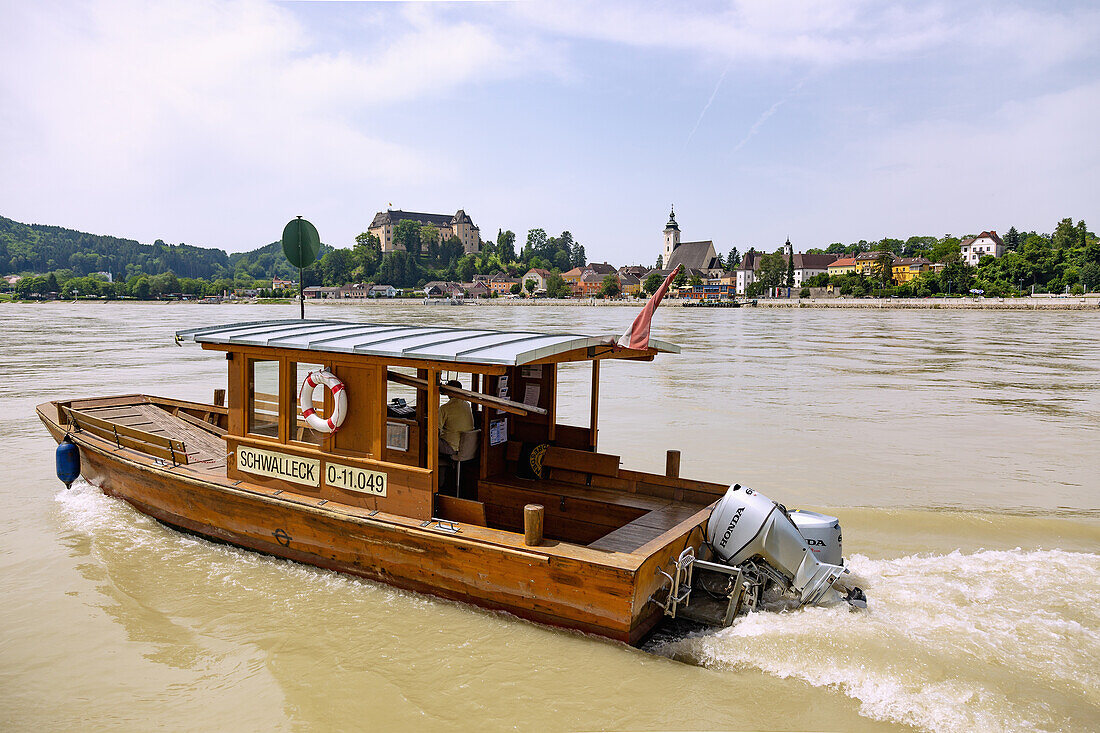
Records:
x=27, y=248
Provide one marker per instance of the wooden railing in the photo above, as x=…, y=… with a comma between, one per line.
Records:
x=127, y=437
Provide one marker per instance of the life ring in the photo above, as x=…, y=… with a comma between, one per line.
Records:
x=323, y=378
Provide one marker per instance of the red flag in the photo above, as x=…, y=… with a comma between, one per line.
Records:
x=637, y=336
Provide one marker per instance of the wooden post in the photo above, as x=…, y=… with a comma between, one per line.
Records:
x=532, y=524
x=432, y=406
x=594, y=415
x=219, y=397
x=672, y=464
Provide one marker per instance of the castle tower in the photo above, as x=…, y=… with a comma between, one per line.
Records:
x=672, y=237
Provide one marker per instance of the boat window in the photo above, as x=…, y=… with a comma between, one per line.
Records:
x=302, y=432
x=263, y=397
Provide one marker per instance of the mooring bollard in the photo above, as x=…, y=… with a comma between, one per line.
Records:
x=532, y=524
x=672, y=464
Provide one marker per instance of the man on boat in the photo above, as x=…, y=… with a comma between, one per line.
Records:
x=456, y=416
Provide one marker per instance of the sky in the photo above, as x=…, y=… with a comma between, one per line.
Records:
x=213, y=123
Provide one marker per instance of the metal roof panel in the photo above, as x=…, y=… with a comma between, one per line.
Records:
x=433, y=343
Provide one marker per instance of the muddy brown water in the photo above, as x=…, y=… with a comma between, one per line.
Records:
x=959, y=449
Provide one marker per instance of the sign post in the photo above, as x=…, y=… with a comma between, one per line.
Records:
x=301, y=243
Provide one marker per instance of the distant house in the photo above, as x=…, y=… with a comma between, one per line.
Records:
x=537, y=274
x=444, y=289
x=382, y=291
x=843, y=266
x=245, y=293
x=316, y=292
x=502, y=284
x=280, y=284
x=630, y=284
x=866, y=262
x=908, y=268
x=459, y=225
x=476, y=289
x=589, y=284
x=973, y=249
x=358, y=291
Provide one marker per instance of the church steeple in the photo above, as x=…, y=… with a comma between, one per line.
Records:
x=672, y=237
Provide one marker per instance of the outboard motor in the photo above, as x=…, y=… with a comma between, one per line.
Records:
x=749, y=530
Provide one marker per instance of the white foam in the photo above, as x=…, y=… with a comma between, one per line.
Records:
x=958, y=642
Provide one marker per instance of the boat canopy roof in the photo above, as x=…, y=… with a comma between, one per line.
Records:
x=433, y=343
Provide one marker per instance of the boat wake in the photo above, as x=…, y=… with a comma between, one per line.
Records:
x=994, y=640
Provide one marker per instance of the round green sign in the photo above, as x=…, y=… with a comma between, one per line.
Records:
x=301, y=243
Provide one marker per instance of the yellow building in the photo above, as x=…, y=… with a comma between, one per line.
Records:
x=907, y=268
x=842, y=266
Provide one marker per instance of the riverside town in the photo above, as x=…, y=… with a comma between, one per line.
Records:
x=439, y=256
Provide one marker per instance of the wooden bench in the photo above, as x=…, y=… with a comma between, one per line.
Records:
x=646, y=528
x=124, y=436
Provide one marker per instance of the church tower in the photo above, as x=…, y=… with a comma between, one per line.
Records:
x=672, y=238
x=788, y=250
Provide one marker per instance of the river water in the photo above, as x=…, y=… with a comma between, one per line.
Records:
x=959, y=449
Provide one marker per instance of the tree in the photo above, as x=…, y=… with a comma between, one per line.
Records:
x=772, y=271
x=337, y=267
x=660, y=262
x=610, y=286
x=1066, y=236
x=536, y=244
x=957, y=276
x=652, y=282
x=884, y=267
x=556, y=287
x=696, y=281
x=790, y=271
x=680, y=279
x=1090, y=276
x=945, y=249
x=406, y=236
x=530, y=285
x=429, y=241
x=733, y=260
x=1012, y=239
x=506, y=246
x=368, y=253
x=515, y=289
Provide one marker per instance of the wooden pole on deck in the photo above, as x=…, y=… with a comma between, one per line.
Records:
x=594, y=415
x=672, y=464
x=219, y=397
x=532, y=524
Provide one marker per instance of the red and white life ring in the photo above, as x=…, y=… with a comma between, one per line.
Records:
x=313, y=381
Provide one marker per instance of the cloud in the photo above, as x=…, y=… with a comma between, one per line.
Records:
x=824, y=32
x=231, y=110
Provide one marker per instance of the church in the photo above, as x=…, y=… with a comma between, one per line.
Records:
x=692, y=255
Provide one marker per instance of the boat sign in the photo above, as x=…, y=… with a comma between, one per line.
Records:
x=300, y=470
x=355, y=479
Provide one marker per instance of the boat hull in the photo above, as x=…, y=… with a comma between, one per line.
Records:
x=609, y=599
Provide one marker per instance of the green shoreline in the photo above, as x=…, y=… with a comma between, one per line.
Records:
x=1068, y=303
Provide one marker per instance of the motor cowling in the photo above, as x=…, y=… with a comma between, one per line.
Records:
x=746, y=525
x=822, y=534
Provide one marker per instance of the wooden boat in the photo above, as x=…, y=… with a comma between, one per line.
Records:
x=543, y=525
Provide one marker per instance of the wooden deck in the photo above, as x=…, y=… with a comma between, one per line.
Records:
x=204, y=447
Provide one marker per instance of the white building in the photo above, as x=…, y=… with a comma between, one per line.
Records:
x=973, y=249
x=805, y=267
